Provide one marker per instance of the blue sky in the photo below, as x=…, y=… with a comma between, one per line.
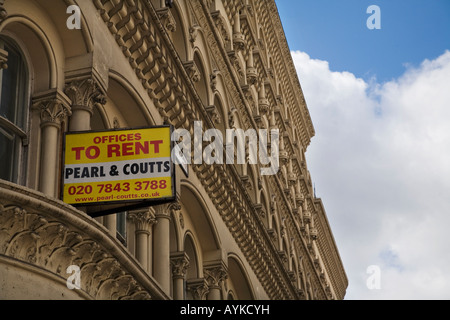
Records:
x=380, y=104
x=336, y=31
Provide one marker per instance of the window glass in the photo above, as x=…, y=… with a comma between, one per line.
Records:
x=13, y=106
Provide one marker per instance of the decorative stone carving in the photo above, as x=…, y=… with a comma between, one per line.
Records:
x=292, y=177
x=193, y=33
x=52, y=238
x=220, y=24
x=235, y=61
x=307, y=216
x=292, y=277
x=260, y=210
x=231, y=118
x=167, y=19
x=313, y=233
x=214, y=114
x=283, y=155
x=181, y=219
x=263, y=102
x=116, y=123
x=283, y=255
x=143, y=219
x=215, y=275
x=300, y=293
x=246, y=182
x=85, y=94
x=180, y=263
x=3, y=13
x=213, y=79
x=238, y=38
x=251, y=72
x=198, y=288
x=192, y=70
x=54, y=107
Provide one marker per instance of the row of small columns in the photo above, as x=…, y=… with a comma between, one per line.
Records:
x=157, y=220
x=75, y=105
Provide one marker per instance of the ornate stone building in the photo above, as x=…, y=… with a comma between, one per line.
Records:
x=232, y=233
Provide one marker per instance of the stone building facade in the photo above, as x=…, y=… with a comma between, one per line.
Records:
x=233, y=233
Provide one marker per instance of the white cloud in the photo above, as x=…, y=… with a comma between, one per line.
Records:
x=381, y=164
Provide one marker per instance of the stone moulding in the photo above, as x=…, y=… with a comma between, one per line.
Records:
x=49, y=234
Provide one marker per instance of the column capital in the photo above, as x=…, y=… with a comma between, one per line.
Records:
x=198, y=288
x=180, y=264
x=165, y=210
x=215, y=274
x=53, y=105
x=85, y=93
x=143, y=219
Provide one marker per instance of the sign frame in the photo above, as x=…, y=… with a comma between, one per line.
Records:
x=102, y=208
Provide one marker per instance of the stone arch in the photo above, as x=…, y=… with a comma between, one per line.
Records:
x=202, y=85
x=198, y=218
x=121, y=93
x=40, y=53
x=53, y=47
x=180, y=37
x=238, y=282
x=191, y=249
x=219, y=113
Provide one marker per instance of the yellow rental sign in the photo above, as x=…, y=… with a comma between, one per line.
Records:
x=118, y=166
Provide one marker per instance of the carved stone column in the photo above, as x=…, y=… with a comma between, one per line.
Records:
x=143, y=220
x=215, y=275
x=84, y=94
x=180, y=264
x=161, y=248
x=54, y=107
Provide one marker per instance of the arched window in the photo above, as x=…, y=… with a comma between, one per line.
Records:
x=14, y=95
